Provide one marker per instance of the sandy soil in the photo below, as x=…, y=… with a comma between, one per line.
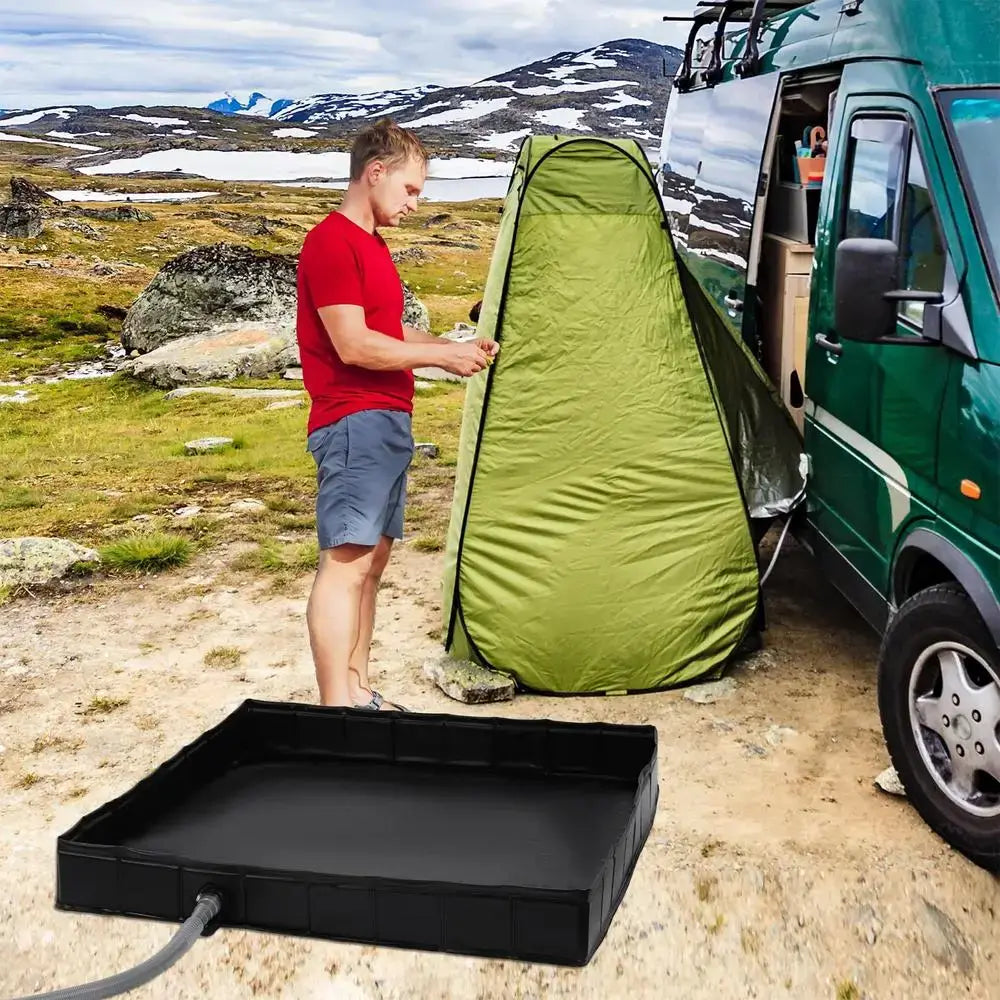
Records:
x=774, y=869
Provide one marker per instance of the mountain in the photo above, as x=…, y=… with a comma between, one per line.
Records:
x=258, y=105
x=324, y=108
x=619, y=87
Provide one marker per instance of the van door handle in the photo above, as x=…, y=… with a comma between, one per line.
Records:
x=731, y=302
x=829, y=345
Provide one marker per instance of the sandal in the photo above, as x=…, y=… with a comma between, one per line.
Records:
x=376, y=703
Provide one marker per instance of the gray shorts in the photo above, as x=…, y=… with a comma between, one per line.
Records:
x=361, y=466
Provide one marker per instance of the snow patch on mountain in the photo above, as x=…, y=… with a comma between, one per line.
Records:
x=467, y=112
x=507, y=142
x=34, y=116
x=151, y=121
x=563, y=118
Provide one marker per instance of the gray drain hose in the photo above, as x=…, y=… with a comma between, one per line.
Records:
x=207, y=908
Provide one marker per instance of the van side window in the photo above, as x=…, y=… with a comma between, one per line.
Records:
x=876, y=158
x=920, y=243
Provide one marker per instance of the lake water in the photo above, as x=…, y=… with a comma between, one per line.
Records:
x=435, y=188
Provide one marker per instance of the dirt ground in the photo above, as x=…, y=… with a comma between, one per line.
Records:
x=775, y=868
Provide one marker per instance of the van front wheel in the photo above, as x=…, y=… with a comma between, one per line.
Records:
x=939, y=700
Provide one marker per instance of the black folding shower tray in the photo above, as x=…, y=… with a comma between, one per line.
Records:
x=479, y=836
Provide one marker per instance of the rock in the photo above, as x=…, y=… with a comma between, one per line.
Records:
x=112, y=312
x=944, y=940
x=247, y=506
x=210, y=287
x=20, y=396
x=285, y=404
x=44, y=264
x=293, y=374
x=256, y=225
x=39, y=561
x=421, y=384
x=193, y=511
x=426, y=449
x=414, y=311
x=205, y=445
x=777, y=735
x=20, y=221
x=710, y=693
x=215, y=390
x=241, y=352
x=436, y=220
x=117, y=213
x=25, y=192
x=83, y=228
x=468, y=682
x=889, y=782
x=411, y=255
x=103, y=268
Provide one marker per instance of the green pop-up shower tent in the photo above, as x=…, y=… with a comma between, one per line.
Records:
x=600, y=536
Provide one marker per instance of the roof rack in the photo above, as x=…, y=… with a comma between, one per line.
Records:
x=752, y=12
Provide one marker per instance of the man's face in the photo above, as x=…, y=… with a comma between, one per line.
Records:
x=395, y=190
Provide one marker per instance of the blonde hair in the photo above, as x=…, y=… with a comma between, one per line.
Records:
x=385, y=141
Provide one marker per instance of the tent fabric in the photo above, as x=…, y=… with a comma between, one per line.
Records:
x=599, y=537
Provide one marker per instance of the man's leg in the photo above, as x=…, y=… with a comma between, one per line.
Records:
x=334, y=616
x=360, y=686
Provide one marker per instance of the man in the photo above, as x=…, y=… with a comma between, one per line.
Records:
x=357, y=361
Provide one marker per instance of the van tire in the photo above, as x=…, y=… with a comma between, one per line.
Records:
x=940, y=614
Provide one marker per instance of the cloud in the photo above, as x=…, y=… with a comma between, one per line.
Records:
x=187, y=52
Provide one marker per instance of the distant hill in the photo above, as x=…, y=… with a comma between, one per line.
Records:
x=618, y=87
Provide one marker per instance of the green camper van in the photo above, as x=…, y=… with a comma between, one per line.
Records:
x=830, y=172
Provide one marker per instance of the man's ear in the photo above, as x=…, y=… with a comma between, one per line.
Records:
x=376, y=171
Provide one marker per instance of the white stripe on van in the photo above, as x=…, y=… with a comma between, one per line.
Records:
x=890, y=470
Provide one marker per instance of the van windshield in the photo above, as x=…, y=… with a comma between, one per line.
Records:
x=974, y=120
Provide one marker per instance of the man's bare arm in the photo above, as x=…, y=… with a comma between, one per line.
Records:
x=358, y=345
x=414, y=336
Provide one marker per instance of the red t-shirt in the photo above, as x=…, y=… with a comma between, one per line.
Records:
x=343, y=264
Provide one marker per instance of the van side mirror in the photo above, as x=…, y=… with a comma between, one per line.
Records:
x=867, y=270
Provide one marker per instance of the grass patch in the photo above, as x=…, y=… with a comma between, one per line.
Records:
x=43, y=743
x=147, y=553
x=102, y=705
x=284, y=505
x=28, y=780
x=705, y=888
x=275, y=557
x=717, y=924
x=224, y=657
x=6, y=594
x=19, y=499
x=847, y=990
x=297, y=522
x=428, y=543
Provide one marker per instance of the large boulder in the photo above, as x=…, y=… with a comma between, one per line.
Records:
x=32, y=561
x=414, y=311
x=117, y=213
x=25, y=192
x=243, y=351
x=223, y=311
x=21, y=221
x=210, y=288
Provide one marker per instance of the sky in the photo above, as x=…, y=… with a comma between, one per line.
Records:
x=188, y=52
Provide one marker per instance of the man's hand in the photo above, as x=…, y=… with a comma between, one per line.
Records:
x=465, y=358
x=491, y=347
